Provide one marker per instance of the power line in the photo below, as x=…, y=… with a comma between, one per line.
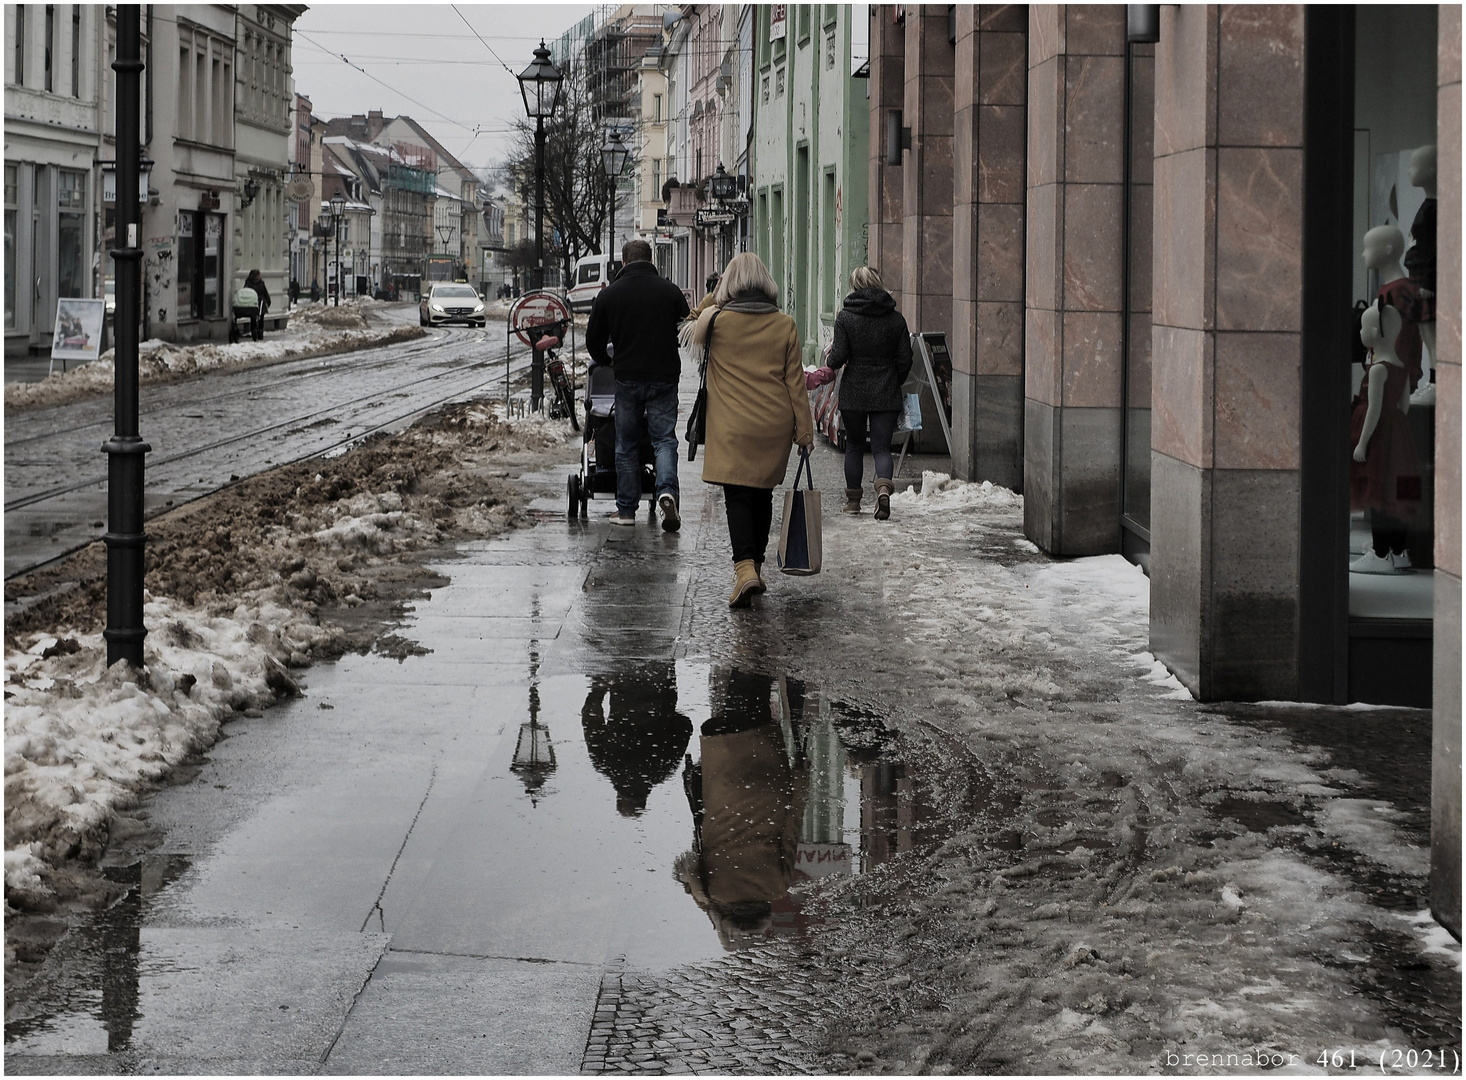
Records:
x=486, y=45
x=389, y=86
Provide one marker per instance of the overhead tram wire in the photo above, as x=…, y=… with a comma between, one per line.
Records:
x=389, y=86
x=485, y=44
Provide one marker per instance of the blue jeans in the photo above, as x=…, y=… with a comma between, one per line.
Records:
x=658, y=403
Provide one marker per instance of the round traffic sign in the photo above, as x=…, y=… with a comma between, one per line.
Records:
x=534, y=310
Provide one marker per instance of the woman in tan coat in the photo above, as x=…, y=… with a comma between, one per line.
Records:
x=758, y=409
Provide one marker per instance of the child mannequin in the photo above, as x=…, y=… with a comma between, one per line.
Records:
x=1385, y=476
x=1383, y=246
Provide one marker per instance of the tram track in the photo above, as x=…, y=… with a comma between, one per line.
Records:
x=46, y=525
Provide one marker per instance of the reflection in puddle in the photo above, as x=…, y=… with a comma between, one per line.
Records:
x=776, y=797
x=92, y=978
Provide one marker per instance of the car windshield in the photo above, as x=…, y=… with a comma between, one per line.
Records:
x=454, y=292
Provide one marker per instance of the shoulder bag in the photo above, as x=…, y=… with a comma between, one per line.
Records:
x=697, y=420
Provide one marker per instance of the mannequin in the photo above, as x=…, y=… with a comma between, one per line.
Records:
x=1383, y=246
x=1420, y=259
x=1385, y=476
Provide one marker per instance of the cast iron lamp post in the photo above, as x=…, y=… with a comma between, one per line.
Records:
x=540, y=86
x=338, y=211
x=613, y=161
x=125, y=538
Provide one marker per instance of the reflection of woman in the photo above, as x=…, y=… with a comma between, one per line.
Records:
x=645, y=737
x=747, y=801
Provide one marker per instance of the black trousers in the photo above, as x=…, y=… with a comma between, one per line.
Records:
x=750, y=516
x=882, y=428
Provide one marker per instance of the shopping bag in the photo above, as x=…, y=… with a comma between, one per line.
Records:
x=697, y=421
x=800, y=536
x=910, y=419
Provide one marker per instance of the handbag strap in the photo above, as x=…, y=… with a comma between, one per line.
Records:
x=804, y=470
x=707, y=345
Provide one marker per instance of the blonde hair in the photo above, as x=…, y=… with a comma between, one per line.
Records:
x=744, y=273
x=865, y=277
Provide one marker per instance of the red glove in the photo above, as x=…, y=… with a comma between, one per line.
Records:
x=818, y=377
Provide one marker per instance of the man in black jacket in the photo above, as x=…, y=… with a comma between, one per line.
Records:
x=638, y=314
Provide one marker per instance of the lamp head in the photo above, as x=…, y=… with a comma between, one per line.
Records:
x=539, y=84
x=338, y=206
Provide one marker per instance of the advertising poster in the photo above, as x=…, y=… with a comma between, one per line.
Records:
x=78, y=330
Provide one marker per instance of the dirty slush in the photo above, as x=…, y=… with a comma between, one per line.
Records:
x=1112, y=875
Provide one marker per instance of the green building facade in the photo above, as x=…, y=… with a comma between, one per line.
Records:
x=810, y=158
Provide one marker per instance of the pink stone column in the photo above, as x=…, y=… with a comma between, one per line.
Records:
x=989, y=151
x=1226, y=348
x=885, y=246
x=926, y=288
x=1074, y=275
x=1445, y=818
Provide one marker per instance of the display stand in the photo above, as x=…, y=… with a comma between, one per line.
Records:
x=934, y=383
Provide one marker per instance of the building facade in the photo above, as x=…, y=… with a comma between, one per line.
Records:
x=809, y=160
x=1146, y=256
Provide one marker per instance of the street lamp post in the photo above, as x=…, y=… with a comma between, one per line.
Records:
x=613, y=161
x=338, y=211
x=125, y=538
x=539, y=84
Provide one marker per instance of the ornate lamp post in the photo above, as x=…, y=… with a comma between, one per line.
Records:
x=613, y=161
x=338, y=211
x=125, y=538
x=539, y=84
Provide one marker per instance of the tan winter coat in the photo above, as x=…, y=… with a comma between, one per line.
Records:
x=758, y=407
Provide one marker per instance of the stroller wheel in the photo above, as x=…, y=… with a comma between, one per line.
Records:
x=573, y=497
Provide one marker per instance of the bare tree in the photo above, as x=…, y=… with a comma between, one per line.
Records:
x=576, y=189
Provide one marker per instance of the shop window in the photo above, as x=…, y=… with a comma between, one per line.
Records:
x=70, y=207
x=1392, y=373
x=12, y=213
x=200, y=264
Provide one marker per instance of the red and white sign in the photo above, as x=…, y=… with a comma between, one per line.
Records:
x=536, y=309
x=778, y=21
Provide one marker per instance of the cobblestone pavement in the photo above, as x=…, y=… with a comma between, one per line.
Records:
x=736, y=1016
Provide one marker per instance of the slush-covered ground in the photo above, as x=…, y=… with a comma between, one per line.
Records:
x=1136, y=879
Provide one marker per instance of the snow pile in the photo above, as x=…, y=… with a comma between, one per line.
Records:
x=313, y=332
x=245, y=585
x=81, y=739
x=940, y=492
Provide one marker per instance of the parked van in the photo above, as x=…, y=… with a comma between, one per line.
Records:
x=592, y=274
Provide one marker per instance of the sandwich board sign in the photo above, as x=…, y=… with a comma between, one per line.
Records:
x=78, y=330
x=936, y=360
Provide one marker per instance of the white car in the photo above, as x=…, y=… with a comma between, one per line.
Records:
x=448, y=302
x=592, y=274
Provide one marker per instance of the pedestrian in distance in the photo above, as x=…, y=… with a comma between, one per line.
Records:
x=873, y=345
x=315, y=291
x=256, y=281
x=709, y=290
x=758, y=409
x=637, y=315
x=294, y=292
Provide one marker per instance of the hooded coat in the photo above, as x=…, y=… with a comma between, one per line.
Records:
x=873, y=345
x=758, y=407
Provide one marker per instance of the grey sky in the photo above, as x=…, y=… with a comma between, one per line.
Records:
x=434, y=68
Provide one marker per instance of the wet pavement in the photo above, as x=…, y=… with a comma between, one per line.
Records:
x=590, y=821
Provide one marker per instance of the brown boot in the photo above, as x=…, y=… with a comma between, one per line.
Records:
x=852, y=500
x=884, y=487
x=745, y=584
x=758, y=569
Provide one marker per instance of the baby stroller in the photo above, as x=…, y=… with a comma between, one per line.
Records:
x=597, y=476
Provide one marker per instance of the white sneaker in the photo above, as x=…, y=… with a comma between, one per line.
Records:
x=1370, y=563
x=1401, y=562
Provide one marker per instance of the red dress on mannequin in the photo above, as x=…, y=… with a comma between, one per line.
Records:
x=1388, y=480
x=1404, y=296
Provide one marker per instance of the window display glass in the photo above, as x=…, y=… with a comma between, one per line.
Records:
x=12, y=203
x=70, y=206
x=1391, y=369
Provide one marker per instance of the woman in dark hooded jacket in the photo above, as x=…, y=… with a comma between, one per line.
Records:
x=873, y=345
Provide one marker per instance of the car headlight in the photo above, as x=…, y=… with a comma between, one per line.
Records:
x=436, y=307
x=478, y=308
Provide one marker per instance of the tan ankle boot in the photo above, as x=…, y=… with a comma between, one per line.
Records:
x=762, y=586
x=852, y=500
x=745, y=584
x=884, y=488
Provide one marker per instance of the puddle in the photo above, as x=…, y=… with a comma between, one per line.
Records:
x=87, y=993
